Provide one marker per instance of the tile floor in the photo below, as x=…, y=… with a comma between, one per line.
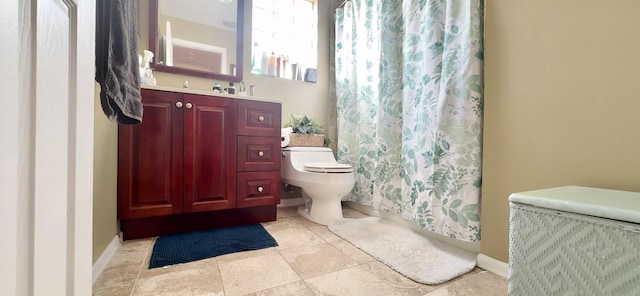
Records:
x=310, y=260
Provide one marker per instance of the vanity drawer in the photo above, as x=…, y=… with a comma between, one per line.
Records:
x=259, y=118
x=258, y=154
x=258, y=189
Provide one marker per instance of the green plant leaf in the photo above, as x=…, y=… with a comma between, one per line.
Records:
x=463, y=221
x=453, y=215
x=470, y=208
x=473, y=217
x=303, y=125
x=418, y=57
x=445, y=145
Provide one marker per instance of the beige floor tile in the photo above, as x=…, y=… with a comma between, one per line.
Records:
x=295, y=237
x=306, y=222
x=246, y=255
x=481, y=283
x=132, y=252
x=255, y=273
x=352, y=281
x=147, y=259
x=293, y=289
x=324, y=233
x=116, y=280
x=404, y=285
x=195, y=278
x=352, y=251
x=143, y=243
x=328, y=264
x=310, y=261
x=124, y=290
x=121, y=273
x=283, y=223
x=211, y=263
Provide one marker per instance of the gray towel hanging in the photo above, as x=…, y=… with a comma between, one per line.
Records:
x=117, y=60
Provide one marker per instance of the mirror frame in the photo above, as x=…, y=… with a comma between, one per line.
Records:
x=154, y=46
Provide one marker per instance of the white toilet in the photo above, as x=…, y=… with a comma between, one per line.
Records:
x=324, y=182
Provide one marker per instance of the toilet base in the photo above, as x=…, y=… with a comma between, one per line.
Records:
x=322, y=212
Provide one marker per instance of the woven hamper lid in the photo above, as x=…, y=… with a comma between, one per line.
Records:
x=597, y=202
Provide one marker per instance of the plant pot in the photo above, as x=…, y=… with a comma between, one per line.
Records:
x=304, y=140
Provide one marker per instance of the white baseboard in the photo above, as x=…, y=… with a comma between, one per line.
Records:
x=291, y=202
x=105, y=257
x=493, y=265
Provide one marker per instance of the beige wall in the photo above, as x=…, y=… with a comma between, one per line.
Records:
x=562, y=104
x=105, y=167
x=311, y=99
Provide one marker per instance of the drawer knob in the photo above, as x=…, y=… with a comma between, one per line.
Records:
x=261, y=118
x=260, y=153
x=179, y=104
x=260, y=189
x=188, y=105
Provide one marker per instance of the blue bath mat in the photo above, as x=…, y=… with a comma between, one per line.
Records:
x=186, y=247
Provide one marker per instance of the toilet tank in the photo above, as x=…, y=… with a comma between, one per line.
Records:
x=298, y=156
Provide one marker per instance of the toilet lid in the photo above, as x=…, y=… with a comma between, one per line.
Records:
x=327, y=167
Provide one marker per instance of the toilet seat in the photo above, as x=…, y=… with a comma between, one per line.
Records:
x=327, y=167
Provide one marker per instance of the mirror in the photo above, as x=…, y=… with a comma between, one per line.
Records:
x=197, y=37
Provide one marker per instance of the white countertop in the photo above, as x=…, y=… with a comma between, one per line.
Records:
x=209, y=93
x=605, y=203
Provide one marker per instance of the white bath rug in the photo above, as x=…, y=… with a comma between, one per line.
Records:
x=424, y=260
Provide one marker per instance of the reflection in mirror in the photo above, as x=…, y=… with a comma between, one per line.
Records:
x=198, y=37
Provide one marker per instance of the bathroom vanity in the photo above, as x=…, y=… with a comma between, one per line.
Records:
x=198, y=160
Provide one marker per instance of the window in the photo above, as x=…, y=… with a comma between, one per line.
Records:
x=284, y=34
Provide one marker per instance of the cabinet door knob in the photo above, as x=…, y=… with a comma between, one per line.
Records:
x=179, y=104
x=188, y=105
x=261, y=118
x=260, y=189
x=261, y=153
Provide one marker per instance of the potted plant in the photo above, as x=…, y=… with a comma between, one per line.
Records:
x=306, y=132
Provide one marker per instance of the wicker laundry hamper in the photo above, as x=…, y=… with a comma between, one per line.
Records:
x=574, y=241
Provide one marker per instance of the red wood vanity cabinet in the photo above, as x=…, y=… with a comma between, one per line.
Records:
x=197, y=162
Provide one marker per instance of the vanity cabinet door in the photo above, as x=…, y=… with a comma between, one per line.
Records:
x=150, y=159
x=209, y=153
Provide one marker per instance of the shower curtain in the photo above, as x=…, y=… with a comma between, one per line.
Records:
x=409, y=103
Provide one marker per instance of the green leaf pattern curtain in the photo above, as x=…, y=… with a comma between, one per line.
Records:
x=409, y=102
